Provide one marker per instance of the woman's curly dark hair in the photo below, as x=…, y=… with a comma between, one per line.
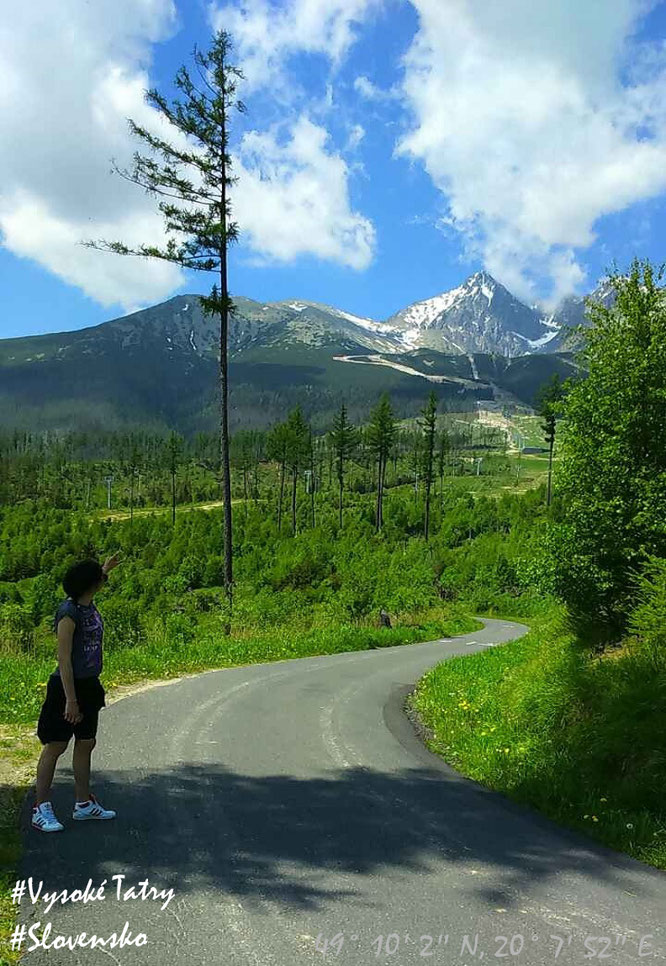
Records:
x=82, y=577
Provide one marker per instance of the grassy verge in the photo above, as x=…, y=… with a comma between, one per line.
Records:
x=19, y=750
x=580, y=737
x=23, y=683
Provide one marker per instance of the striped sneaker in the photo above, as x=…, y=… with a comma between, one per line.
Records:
x=91, y=809
x=43, y=818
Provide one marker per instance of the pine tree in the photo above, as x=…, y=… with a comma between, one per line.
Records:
x=192, y=184
x=429, y=427
x=381, y=437
x=277, y=449
x=550, y=403
x=174, y=455
x=442, y=452
x=312, y=476
x=298, y=452
x=244, y=457
x=343, y=440
x=133, y=464
x=415, y=452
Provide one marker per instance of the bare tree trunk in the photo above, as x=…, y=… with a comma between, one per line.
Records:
x=293, y=500
x=380, y=494
x=224, y=390
x=281, y=496
x=173, y=498
x=550, y=470
x=312, y=500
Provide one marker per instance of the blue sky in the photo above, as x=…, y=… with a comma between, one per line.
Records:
x=435, y=140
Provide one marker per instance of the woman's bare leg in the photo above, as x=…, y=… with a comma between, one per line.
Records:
x=46, y=767
x=81, y=763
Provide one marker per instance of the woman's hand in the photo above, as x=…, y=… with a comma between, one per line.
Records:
x=111, y=562
x=72, y=713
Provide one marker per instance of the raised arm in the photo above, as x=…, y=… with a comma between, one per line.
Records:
x=66, y=627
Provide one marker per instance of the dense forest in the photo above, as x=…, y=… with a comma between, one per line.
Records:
x=328, y=530
x=141, y=469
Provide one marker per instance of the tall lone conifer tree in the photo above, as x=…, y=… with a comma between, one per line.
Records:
x=549, y=402
x=429, y=427
x=174, y=457
x=298, y=453
x=190, y=175
x=381, y=438
x=343, y=440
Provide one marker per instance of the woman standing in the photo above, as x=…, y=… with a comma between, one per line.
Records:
x=74, y=695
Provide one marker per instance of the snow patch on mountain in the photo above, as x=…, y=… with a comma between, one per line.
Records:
x=421, y=315
x=370, y=324
x=545, y=339
x=377, y=360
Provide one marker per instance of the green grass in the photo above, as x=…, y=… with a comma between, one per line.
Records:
x=529, y=428
x=580, y=737
x=23, y=678
x=19, y=750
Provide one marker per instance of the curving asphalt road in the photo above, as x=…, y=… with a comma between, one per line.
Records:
x=291, y=803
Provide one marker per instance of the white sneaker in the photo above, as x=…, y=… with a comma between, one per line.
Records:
x=44, y=819
x=92, y=809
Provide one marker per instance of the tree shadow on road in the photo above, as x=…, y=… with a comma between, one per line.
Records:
x=202, y=827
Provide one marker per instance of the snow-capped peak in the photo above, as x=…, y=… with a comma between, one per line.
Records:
x=481, y=278
x=421, y=315
x=482, y=284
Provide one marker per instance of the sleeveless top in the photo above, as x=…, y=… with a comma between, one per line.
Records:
x=87, y=639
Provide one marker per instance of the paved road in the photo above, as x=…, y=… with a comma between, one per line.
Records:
x=286, y=801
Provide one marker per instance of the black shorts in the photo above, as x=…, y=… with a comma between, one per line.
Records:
x=52, y=725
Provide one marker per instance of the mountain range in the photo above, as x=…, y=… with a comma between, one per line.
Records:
x=158, y=366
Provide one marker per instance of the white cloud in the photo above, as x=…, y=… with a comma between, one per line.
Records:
x=31, y=230
x=69, y=79
x=356, y=135
x=68, y=82
x=521, y=120
x=266, y=34
x=292, y=198
x=369, y=91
